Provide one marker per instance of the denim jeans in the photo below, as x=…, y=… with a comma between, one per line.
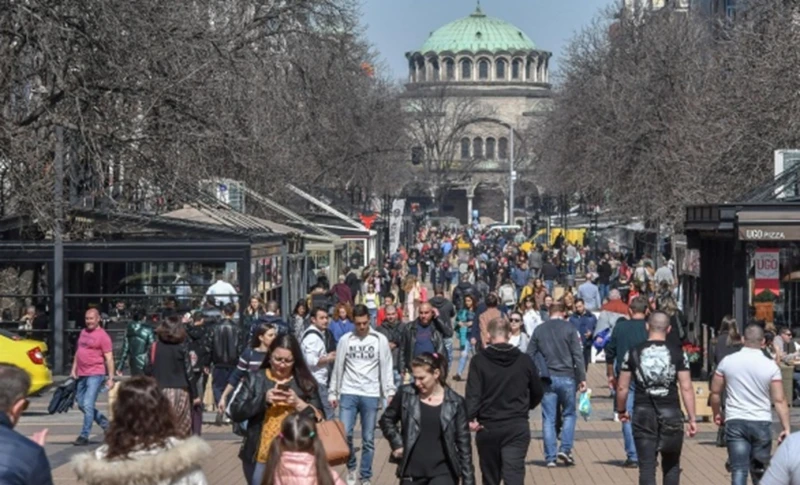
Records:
x=749, y=448
x=88, y=388
x=254, y=472
x=561, y=391
x=550, y=285
x=326, y=405
x=462, y=360
x=604, y=289
x=367, y=407
x=627, y=429
x=448, y=345
x=219, y=379
x=652, y=438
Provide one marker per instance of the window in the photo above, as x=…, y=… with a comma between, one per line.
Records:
x=450, y=69
x=466, y=69
x=422, y=68
x=515, y=69
x=500, y=69
x=490, y=142
x=477, y=148
x=730, y=9
x=417, y=153
x=483, y=69
x=465, y=149
x=435, y=68
x=502, y=148
x=528, y=66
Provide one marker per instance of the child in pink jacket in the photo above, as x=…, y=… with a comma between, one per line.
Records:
x=296, y=456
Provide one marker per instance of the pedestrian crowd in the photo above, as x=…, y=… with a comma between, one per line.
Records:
x=375, y=350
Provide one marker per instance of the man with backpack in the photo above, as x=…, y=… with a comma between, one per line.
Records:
x=319, y=352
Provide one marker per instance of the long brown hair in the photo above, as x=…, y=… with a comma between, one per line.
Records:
x=432, y=362
x=298, y=434
x=171, y=331
x=143, y=418
x=347, y=309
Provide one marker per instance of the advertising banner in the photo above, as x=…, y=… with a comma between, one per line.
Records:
x=767, y=270
x=396, y=224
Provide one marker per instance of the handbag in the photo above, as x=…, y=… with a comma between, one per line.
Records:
x=334, y=441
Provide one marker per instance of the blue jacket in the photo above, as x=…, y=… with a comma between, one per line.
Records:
x=22, y=462
x=590, y=295
x=340, y=327
x=520, y=276
x=584, y=323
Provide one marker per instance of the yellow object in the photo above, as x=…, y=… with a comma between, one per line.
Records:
x=29, y=355
x=541, y=237
x=273, y=419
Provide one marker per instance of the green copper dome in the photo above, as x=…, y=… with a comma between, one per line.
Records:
x=478, y=32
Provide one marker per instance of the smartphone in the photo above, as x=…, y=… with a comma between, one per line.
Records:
x=283, y=387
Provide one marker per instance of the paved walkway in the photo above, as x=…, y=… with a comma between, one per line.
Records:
x=598, y=449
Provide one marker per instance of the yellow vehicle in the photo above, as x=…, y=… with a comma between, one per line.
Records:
x=540, y=237
x=28, y=355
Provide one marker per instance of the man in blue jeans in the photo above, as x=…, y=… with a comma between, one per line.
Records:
x=92, y=367
x=626, y=335
x=362, y=373
x=752, y=383
x=557, y=340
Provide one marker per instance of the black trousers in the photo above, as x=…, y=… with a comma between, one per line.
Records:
x=587, y=357
x=502, y=452
x=652, y=436
x=440, y=480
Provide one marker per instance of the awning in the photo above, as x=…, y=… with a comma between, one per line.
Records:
x=774, y=225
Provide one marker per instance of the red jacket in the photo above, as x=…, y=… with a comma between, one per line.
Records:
x=382, y=315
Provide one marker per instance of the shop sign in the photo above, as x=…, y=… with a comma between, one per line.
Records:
x=769, y=233
x=767, y=270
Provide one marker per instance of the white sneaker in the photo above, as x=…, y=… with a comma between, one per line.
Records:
x=616, y=417
x=351, y=477
x=365, y=482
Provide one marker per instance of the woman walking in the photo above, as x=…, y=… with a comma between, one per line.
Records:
x=172, y=369
x=531, y=316
x=282, y=386
x=300, y=318
x=465, y=319
x=426, y=425
x=518, y=338
x=143, y=443
x=297, y=456
x=250, y=361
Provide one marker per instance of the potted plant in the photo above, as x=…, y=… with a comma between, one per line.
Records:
x=694, y=356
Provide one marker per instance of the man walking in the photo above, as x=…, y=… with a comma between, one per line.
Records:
x=139, y=337
x=23, y=460
x=559, y=343
x=393, y=330
x=752, y=383
x=222, y=291
x=362, y=374
x=446, y=313
x=502, y=387
x=228, y=342
x=92, y=367
x=589, y=293
x=585, y=322
x=319, y=352
x=626, y=335
x=425, y=334
x=656, y=368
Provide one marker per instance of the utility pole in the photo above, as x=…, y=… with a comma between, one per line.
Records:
x=512, y=177
x=58, y=257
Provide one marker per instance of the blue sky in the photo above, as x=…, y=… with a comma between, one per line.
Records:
x=397, y=26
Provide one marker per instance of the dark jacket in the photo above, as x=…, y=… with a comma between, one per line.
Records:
x=139, y=336
x=405, y=410
x=406, y=354
x=394, y=334
x=341, y=293
x=228, y=343
x=447, y=311
x=463, y=289
x=549, y=271
x=584, y=323
x=502, y=386
x=199, y=342
x=22, y=462
x=250, y=404
x=172, y=366
x=558, y=341
x=281, y=326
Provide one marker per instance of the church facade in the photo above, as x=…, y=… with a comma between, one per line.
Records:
x=475, y=87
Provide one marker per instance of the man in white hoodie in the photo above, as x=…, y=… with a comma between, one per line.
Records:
x=362, y=374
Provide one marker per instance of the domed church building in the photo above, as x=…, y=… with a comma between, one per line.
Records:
x=473, y=85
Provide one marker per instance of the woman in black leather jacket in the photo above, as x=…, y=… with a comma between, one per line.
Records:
x=432, y=442
x=282, y=386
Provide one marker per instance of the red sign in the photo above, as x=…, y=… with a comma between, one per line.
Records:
x=368, y=220
x=767, y=270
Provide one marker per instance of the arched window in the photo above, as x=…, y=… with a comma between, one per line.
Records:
x=466, y=69
x=477, y=148
x=434, y=69
x=502, y=148
x=465, y=149
x=483, y=69
x=422, y=68
x=528, y=67
x=450, y=69
x=516, y=69
x=490, y=143
x=500, y=70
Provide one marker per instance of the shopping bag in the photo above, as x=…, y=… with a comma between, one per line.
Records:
x=585, y=404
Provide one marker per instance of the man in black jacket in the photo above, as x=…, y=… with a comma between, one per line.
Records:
x=463, y=289
x=394, y=330
x=200, y=341
x=228, y=343
x=502, y=387
x=425, y=334
x=446, y=313
x=558, y=341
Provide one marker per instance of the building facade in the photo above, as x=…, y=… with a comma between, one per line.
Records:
x=475, y=87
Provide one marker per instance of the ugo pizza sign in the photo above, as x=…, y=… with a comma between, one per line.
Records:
x=767, y=270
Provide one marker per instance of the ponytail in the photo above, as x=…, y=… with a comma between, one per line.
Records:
x=298, y=434
x=432, y=362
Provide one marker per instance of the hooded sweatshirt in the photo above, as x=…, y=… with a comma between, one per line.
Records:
x=502, y=386
x=447, y=312
x=298, y=468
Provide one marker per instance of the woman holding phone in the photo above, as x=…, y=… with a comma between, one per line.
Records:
x=282, y=386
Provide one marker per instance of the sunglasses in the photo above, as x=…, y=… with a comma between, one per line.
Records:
x=516, y=320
